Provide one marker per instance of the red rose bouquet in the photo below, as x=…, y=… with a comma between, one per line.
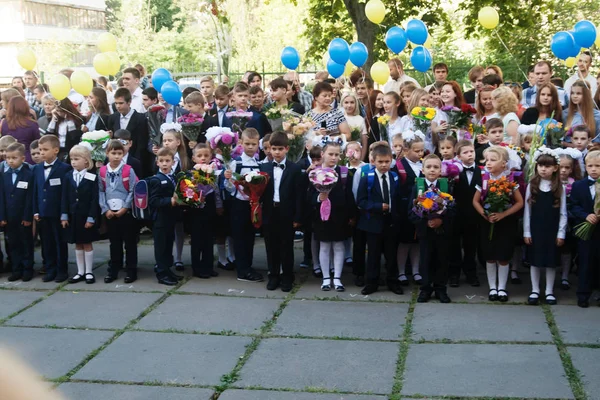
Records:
x=253, y=185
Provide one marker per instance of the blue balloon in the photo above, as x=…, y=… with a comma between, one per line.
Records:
x=421, y=59
x=416, y=31
x=290, y=58
x=358, y=54
x=562, y=45
x=171, y=92
x=584, y=33
x=336, y=70
x=339, y=51
x=159, y=77
x=395, y=39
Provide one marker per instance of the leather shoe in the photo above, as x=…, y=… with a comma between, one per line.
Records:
x=77, y=278
x=48, y=277
x=273, y=283
x=424, y=296
x=90, y=278
x=359, y=281
x=226, y=267
x=15, y=277
x=27, y=276
x=395, y=288
x=583, y=303
x=176, y=277
x=167, y=280
x=128, y=279
x=61, y=278
x=109, y=279
x=370, y=288
x=454, y=281
x=473, y=281
x=287, y=286
x=442, y=296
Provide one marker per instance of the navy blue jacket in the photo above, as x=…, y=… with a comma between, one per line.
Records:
x=161, y=189
x=291, y=195
x=80, y=200
x=16, y=201
x=582, y=204
x=371, y=217
x=47, y=193
x=421, y=226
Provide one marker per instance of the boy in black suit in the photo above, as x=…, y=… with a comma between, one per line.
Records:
x=16, y=198
x=221, y=105
x=495, y=134
x=465, y=226
x=434, y=237
x=47, y=195
x=377, y=199
x=241, y=97
x=585, y=205
x=282, y=213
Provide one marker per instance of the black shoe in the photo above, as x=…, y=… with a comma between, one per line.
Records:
x=550, y=300
x=473, y=281
x=48, y=277
x=403, y=282
x=395, y=287
x=15, y=277
x=317, y=273
x=502, y=296
x=227, y=267
x=533, y=301
x=340, y=287
x=424, y=296
x=231, y=264
x=211, y=274
x=42, y=270
x=179, y=266
x=273, y=283
x=286, y=286
x=326, y=285
x=442, y=296
x=454, y=281
x=417, y=278
x=90, y=278
x=565, y=285
x=109, y=278
x=61, y=278
x=168, y=280
x=517, y=280
x=493, y=296
x=359, y=281
x=176, y=277
x=305, y=263
x=77, y=278
x=370, y=288
x=583, y=303
x=128, y=278
x=251, y=276
x=27, y=276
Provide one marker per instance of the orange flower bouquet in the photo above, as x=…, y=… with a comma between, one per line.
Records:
x=432, y=204
x=497, y=197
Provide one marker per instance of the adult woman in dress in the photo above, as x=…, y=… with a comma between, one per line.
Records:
x=20, y=125
x=328, y=120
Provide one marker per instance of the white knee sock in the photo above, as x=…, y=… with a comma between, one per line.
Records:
x=89, y=261
x=550, y=276
x=179, y=236
x=565, y=262
x=315, y=247
x=230, y=249
x=402, y=254
x=325, y=257
x=492, y=271
x=338, y=261
x=414, y=257
x=502, y=276
x=535, y=279
x=80, y=257
x=221, y=252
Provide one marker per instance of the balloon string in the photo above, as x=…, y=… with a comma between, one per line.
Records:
x=510, y=53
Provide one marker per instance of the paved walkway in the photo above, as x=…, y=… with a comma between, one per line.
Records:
x=220, y=338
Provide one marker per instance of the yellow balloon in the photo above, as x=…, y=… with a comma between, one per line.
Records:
x=570, y=62
x=380, y=72
x=597, y=42
x=115, y=62
x=488, y=17
x=82, y=82
x=348, y=69
x=428, y=43
x=59, y=86
x=102, y=64
x=26, y=59
x=107, y=42
x=375, y=11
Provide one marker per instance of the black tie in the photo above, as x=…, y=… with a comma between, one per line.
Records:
x=472, y=169
x=277, y=165
x=113, y=175
x=590, y=182
x=386, y=190
x=48, y=166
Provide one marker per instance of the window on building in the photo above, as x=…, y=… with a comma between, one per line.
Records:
x=62, y=16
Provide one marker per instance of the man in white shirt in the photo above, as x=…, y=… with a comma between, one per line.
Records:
x=131, y=80
x=397, y=77
x=584, y=63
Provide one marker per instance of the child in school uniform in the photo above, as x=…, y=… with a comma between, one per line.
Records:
x=242, y=230
x=446, y=148
x=585, y=199
x=581, y=139
x=434, y=235
x=5, y=141
x=162, y=201
x=203, y=220
x=466, y=224
x=332, y=232
x=498, y=250
x=544, y=222
x=16, y=198
x=311, y=245
x=125, y=137
x=35, y=152
x=495, y=133
x=79, y=211
x=116, y=183
x=409, y=169
x=378, y=201
x=282, y=213
x=354, y=155
x=47, y=198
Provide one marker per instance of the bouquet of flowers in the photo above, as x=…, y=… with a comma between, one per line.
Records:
x=585, y=230
x=451, y=169
x=432, y=204
x=323, y=179
x=275, y=114
x=296, y=126
x=94, y=141
x=191, y=126
x=497, y=197
x=422, y=117
x=355, y=134
x=477, y=129
x=157, y=115
x=384, y=122
x=458, y=118
x=187, y=191
x=555, y=133
x=253, y=185
x=239, y=119
x=224, y=140
x=205, y=179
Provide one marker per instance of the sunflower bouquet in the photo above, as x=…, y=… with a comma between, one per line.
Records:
x=384, y=122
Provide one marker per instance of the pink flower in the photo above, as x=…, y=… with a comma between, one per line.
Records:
x=226, y=139
x=189, y=193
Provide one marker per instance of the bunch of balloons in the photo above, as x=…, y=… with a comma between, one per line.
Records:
x=341, y=57
x=566, y=44
x=163, y=82
x=107, y=62
x=60, y=86
x=397, y=38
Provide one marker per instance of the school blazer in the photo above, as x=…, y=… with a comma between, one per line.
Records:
x=47, y=193
x=16, y=200
x=82, y=200
x=370, y=203
x=581, y=201
x=421, y=227
x=290, y=194
x=464, y=192
x=138, y=127
x=161, y=189
x=102, y=122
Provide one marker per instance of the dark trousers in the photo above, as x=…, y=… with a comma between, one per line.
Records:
x=359, y=247
x=20, y=247
x=589, y=266
x=463, y=250
x=164, y=236
x=202, y=241
x=377, y=243
x=242, y=232
x=279, y=241
x=434, y=252
x=121, y=231
x=55, y=246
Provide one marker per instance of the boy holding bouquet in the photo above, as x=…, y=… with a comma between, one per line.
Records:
x=195, y=124
x=433, y=228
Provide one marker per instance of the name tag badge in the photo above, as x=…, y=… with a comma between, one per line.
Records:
x=22, y=185
x=163, y=182
x=55, y=182
x=89, y=176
